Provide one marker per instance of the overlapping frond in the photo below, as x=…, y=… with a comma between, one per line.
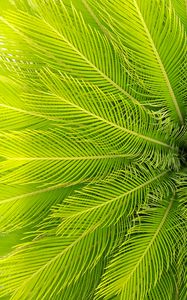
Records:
x=181, y=272
x=14, y=113
x=21, y=205
x=181, y=182
x=150, y=33
x=165, y=287
x=57, y=261
x=53, y=157
x=104, y=204
x=81, y=45
x=84, y=286
x=93, y=150
x=181, y=9
x=147, y=252
x=107, y=119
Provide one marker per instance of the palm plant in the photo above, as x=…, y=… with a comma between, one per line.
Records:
x=93, y=150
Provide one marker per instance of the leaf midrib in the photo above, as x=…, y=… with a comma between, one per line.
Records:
x=78, y=52
x=67, y=158
x=115, y=125
x=119, y=197
x=151, y=242
x=53, y=259
x=162, y=67
x=99, y=118
x=44, y=190
x=92, y=65
x=61, y=253
x=32, y=113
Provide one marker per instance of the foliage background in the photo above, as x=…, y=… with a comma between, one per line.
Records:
x=93, y=149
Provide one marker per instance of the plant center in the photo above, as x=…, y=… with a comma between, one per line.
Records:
x=183, y=155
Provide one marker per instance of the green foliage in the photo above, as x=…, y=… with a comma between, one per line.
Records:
x=93, y=171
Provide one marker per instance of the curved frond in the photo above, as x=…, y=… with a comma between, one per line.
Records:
x=84, y=287
x=181, y=9
x=93, y=140
x=105, y=203
x=21, y=205
x=181, y=182
x=164, y=289
x=53, y=260
x=148, y=251
x=152, y=35
x=14, y=113
x=53, y=157
x=106, y=119
x=81, y=45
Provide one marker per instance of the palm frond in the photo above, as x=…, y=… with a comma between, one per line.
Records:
x=64, y=262
x=153, y=45
x=62, y=45
x=181, y=184
x=106, y=203
x=165, y=287
x=53, y=157
x=21, y=206
x=93, y=177
x=181, y=9
x=15, y=115
x=84, y=286
x=181, y=277
x=148, y=251
x=105, y=119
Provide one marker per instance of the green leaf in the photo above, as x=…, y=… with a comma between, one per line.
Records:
x=106, y=203
x=165, y=287
x=151, y=34
x=53, y=260
x=181, y=9
x=105, y=119
x=147, y=252
x=21, y=205
x=93, y=139
x=53, y=157
x=61, y=45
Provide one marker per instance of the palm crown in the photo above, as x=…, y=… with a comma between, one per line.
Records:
x=93, y=140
